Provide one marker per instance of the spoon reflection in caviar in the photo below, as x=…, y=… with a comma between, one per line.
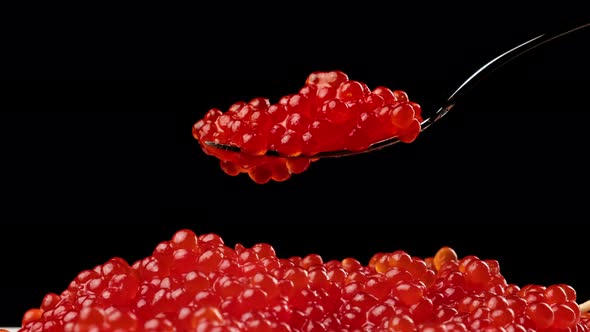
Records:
x=427, y=119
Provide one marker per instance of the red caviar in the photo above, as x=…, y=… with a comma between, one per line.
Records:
x=330, y=112
x=196, y=283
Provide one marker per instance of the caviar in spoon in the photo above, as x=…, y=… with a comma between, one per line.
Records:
x=331, y=116
x=331, y=112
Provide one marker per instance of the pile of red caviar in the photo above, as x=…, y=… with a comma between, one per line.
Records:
x=196, y=283
x=330, y=112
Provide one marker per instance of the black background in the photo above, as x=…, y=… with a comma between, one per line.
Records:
x=98, y=159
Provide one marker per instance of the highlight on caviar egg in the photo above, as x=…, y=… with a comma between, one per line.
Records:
x=331, y=112
x=198, y=283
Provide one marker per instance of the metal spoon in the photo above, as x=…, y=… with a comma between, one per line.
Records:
x=451, y=101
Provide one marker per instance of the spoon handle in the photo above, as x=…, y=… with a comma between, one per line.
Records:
x=495, y=64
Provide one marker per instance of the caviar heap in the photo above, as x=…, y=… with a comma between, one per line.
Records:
x=198, y=284
x=330, y=112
